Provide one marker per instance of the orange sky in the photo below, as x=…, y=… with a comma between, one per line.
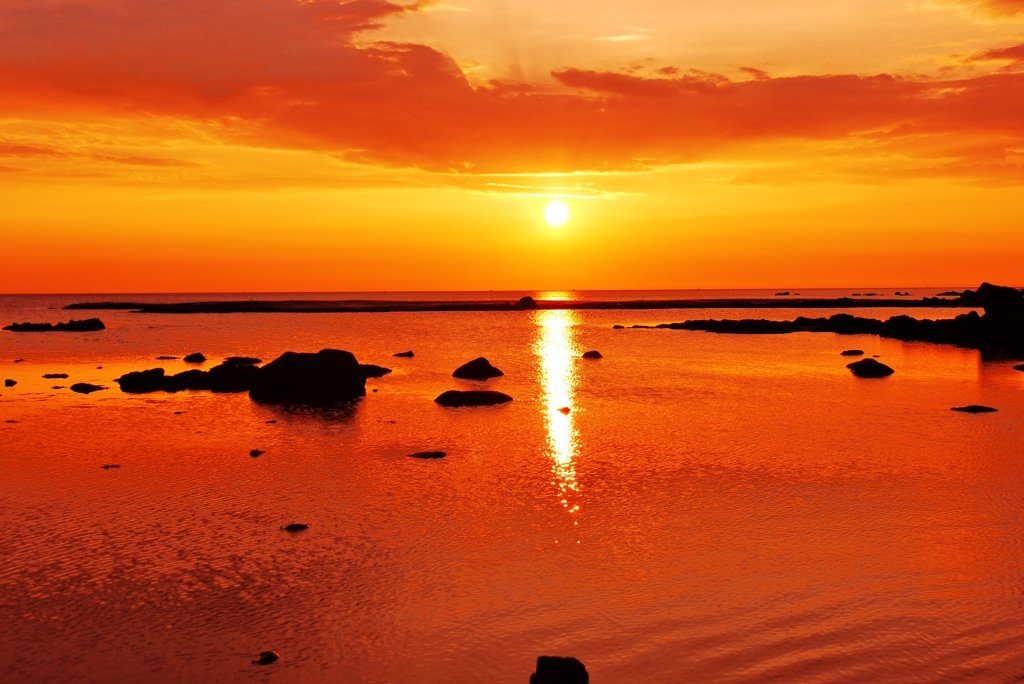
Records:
x=227, y=145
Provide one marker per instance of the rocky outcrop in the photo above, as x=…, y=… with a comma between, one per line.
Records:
x=559, y=670
x=974, y=408
x=869, y=368
x=10, y=383
x=326, y=377
x=87, y=325
x=852, y=352
x=592, y=354
x=371, y=371
x=86, y=388
x=477, y=369
x=195, y=358
x=225, y=378
x=456, y=398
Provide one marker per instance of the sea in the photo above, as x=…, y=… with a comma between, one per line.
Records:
x=692, y=507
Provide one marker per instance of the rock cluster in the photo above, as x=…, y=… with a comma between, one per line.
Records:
x=559, y=670
x=87, y=325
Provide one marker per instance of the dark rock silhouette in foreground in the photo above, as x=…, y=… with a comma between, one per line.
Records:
x=86, y=388
x=477, y=369
x=10, y=383
x=405, y=354
x=55, y=376
x=227, y=377
x=87, y=325
x=999, y=334
x=558, y=670
x=869, y=368
x=852, y=352
x=266, y=658
x=1019, y=367
x=256, y=452
x=429, y=454
x=329, y=376
x=194, y=358
x=592, y=354
x=456, y=398
x=372, y=371
x=974, y=408
x=295, y=527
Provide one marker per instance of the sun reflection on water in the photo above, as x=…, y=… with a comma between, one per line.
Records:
x=557, y=353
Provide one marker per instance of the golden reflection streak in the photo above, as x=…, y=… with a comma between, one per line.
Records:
x=557, y=353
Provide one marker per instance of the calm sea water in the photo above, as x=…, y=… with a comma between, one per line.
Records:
x=712, y=508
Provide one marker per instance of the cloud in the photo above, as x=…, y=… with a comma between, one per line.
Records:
x=304, y=75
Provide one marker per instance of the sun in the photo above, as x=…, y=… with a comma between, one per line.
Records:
x=556, y=214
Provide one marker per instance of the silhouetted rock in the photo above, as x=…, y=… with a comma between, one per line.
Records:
x=456, y=398
x=110, y=466
x=55, y=376
x=227, y=377
x=266, y=658
x=405, y=354
x=592, y=354
x=526, y=303
x=997, y=301
x=949, y=293
x=1019, y=367
x=618, y=327
x=10, y=383
x=781, y=294
x=86, y=388
x=372, y=371
x=869, y=368
x=194, y=358
x=295, y=527
x=256, y=452
x=142, y=382
x=852, y=352
x=558, y=670
x=328, y=376
x=974, y=408
x=58, y=387
x=272, y=421
x=19, y=360
x=429, y=454
x=88, y=325
x=166, y=358
x=477, y=369
x=242, y=361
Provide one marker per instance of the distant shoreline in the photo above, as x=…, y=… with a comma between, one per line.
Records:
x=384, y=306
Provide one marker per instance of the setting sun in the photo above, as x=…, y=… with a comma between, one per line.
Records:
x=556, y=214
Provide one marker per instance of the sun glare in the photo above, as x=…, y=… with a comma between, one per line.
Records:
x=556, y=213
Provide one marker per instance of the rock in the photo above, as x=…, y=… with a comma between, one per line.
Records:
x=256, y=452
x=564, y=410
x=1019, y=367
x=997, y=301
x=405, y=354
x=295, y=527
x=593, y=354
x=869, y=368
x=110, y=466
x=558, y=670
x=58, y=387
x=782, y=294
x=242, y=361
x=372, y=371
x=456, y=398
x=10, y=383
x=429, y=454
x=86, y=388
x=525, y=303
x=266, y=658
x=230, y=376
x=974, y=408
x=166, y=358
x=477, y=369
x=55, y=376
x=88, y=325
x=852, y=352
x=329, y=376
x=194, y=358
x=142, y=382
x=19, y=360
x=271, y=422
x=177, y=413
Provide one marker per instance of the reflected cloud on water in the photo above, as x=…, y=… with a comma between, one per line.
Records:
x=557, y=355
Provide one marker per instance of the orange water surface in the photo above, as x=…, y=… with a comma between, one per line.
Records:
x=711, y=508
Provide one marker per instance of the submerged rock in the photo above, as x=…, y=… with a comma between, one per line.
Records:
x=295, y=527
x=329, y=376
x=55, y=376
x=166, y=358
x=266, y=658
x=974, y=408
x=405, y=354
x=477, y=369
x=852, y=352
x=86, y=388
x=10, y=383
x=559, y=670
x=456, y=398
x=194, y=358
x=88, y=325
x=372, y=371
x=869, y=368
x=429, y=454
x=593, y=354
